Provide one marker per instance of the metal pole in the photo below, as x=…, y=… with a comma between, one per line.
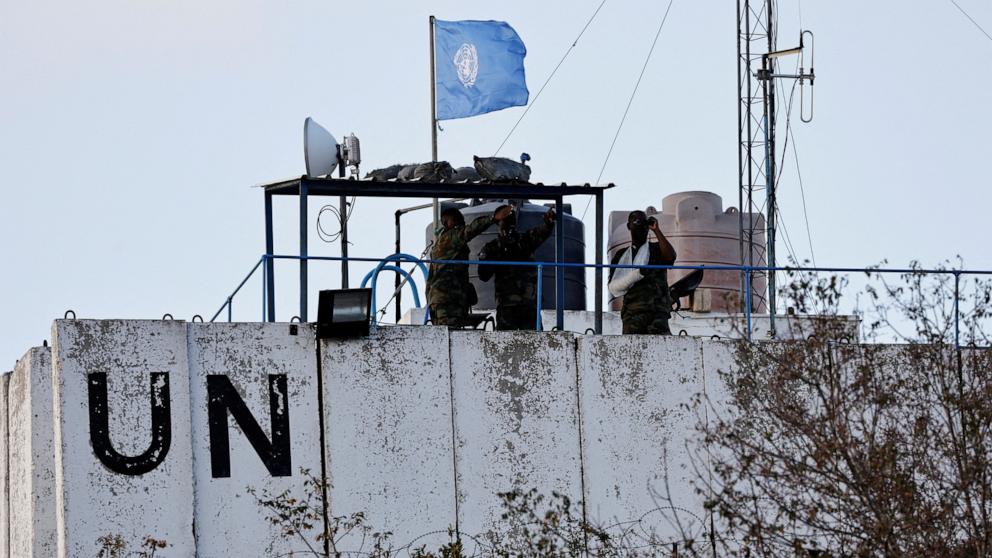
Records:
x=229, y=311
x=396, y=290
x=747, y=302
x=269, y=285
x=303, y=251
x=598, y=299
x=559, y=270
x=740, y=146
x=540, y=283
x=957, y=289
x=437, y=206
x=323, y=443
x=343, y=212
x=769, y=90
x=770, y=181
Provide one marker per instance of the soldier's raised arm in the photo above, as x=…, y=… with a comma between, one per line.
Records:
x=667, y=250
x=537, y=235
x=476, y=227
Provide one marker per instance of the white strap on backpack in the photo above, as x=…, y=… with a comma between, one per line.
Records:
x=625, y=277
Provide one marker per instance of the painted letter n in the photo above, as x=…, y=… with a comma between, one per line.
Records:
x=222, y=399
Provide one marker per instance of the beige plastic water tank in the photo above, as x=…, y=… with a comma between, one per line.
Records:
x=702, y=234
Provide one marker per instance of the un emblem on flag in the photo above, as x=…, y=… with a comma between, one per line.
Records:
x=467, y=64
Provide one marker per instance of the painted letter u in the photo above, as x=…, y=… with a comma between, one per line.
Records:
x=100, y=431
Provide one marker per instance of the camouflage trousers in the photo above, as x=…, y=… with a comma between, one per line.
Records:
x=645, y=323
x=516, y=317
x=451, y=315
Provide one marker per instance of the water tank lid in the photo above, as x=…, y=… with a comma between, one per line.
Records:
x=670, y=203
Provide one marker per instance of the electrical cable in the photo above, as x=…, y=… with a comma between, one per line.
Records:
x=788, y=240
x=971, y=19
x=630, y=101
x=323, y=234
x=633, y=94
x=789, y=134
x=788, y=121
x=790, y=247
x=547, y=81
x=333, y=210
x=802, y=192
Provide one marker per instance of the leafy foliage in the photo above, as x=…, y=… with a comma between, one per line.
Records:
x=114, y=546
x=531, y=524
x=303, y=520
x=829, y=447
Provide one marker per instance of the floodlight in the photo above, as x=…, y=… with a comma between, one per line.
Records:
x=320, y=149
x=344, y=313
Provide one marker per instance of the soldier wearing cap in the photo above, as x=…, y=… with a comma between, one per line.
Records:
x=647, y=302
x=450, y=295
x=516, y=286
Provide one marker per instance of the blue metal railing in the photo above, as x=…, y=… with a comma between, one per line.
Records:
x=230, y=299
x=747, y=271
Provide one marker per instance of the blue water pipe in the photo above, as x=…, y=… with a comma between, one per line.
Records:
x=373, y=275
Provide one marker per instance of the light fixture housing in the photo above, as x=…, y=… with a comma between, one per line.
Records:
x=344, y=313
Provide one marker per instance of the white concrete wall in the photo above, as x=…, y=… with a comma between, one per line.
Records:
x=19, y=457
x=229, y=522
x=4, y=470
x=93, y=500
x=635, y=425
x=388, y=432
x=422, y=428
x=31, y=459
x=516, y=420
x=582, y=321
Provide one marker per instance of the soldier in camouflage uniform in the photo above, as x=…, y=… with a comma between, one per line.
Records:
x=516, y=286
x=449, y=293
x=647, y=305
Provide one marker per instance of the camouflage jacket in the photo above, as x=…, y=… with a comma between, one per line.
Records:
x=516, y=285
x=651, y=294
x=448, y=283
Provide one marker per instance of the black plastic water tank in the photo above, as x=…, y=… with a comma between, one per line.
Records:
x=529, y=215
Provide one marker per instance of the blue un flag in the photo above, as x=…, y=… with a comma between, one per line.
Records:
x=479, y=68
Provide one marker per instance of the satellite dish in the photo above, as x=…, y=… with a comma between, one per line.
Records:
x=320, y=149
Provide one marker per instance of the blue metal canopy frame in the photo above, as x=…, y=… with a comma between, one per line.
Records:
x=304, y=187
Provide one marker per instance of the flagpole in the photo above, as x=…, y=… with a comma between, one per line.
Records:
x=436, y=205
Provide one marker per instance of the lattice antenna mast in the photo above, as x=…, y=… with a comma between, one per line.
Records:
x=756, y=118
x=754, y=39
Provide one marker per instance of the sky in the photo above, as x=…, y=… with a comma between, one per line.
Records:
x=131, y=134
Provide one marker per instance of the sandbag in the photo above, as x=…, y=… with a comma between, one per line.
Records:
x=406, y=173
x=466, y=174
x=388, y=173
x=440, y=171
x=501, y=169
